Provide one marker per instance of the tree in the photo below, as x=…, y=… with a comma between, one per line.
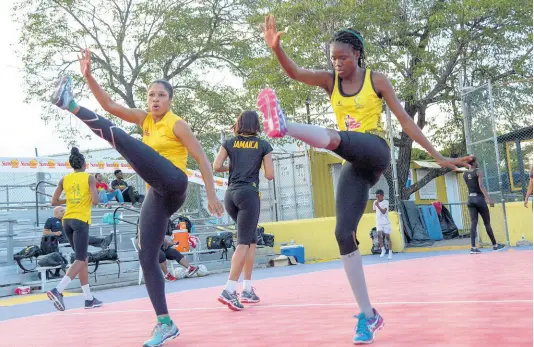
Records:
x=134, y=43
x=423, y=46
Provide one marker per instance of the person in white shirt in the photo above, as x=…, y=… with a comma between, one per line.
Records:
x=383, y=225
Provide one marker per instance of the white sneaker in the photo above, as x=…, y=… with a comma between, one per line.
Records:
x=383, y=253
x=390, y=255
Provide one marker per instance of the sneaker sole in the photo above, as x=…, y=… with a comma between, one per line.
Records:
x=267, y=105
x=378, y=328
x=475, y=252
x=56, y=302
x=59, y=90
x=248, y=301
x=230, y=306
x=498, y=250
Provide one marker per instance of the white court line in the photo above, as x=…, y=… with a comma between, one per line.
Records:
x=222, y=284
x=259, y=307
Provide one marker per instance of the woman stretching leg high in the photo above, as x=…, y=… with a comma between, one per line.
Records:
x=356, y=96
x=160, y=159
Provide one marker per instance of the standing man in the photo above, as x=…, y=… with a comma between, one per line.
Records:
x=383, y=225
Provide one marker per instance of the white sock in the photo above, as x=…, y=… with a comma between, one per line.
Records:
x=383, y=249
x=247, y=285
x=390, y=251
x=313, y=135
x=230, y=286
x=63, y=284
x=87, y=292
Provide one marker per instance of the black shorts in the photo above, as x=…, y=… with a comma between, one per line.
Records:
x=78, y=235
x=243, y=205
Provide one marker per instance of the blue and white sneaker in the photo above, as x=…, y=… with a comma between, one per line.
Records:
x=62, y=96
x=161, y=334
x=57, y=298
x=93, y=303
x=366, y=328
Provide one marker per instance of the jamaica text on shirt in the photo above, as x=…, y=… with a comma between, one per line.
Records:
x=246, y=144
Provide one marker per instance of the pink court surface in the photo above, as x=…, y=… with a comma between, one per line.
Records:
x=452, y=300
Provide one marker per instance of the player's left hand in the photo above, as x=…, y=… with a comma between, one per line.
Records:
x=454, y=163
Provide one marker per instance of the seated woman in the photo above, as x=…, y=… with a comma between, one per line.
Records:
x=168, y=251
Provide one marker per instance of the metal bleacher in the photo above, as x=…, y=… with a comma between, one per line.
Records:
x=28, y=231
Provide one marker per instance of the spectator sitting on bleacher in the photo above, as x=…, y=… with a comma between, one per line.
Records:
x=105, y=193
x=128, y=192
x=168, y=251
x=54, y=227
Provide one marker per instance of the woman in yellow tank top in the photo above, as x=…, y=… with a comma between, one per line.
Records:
x=356, y=95
x=80, y=195
x=160, y=160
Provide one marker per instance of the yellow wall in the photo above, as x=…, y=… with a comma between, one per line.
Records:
x=519, y=220
x=317, y=235
x=322, y=184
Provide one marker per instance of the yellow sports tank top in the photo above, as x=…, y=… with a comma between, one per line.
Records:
x=359, y=112
x=78, y=195
x=161, y=138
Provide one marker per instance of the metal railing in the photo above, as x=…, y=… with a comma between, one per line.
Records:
x=10, y=238
x=37, y=193
x=122, y=220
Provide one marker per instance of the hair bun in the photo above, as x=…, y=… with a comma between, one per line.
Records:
x=75, y=151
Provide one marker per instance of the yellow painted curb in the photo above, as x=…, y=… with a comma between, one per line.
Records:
x=434, y=249
x=25, y=299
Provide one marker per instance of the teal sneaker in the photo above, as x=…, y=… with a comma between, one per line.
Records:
x=62, y=95
x=366, y=328
x=162, y=333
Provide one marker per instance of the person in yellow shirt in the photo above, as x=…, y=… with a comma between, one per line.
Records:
x=160, y=160
x=80, y=194
x=356, y=95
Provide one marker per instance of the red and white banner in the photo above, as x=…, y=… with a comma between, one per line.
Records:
x=43, y=164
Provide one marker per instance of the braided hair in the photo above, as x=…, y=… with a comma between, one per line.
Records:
x=353, y=38
x=76, y=159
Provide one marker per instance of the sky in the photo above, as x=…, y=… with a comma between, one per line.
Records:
x=23, y=128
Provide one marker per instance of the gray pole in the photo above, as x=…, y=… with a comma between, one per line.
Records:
x=393, y=159
x=394, y=166
x=497, y=157
x=308, y=166
x=10, y=243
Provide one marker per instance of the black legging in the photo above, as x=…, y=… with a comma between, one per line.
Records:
x=367, y=156
x=477, y=205
x=166, y=195
x=170, y=253
x=243, y=205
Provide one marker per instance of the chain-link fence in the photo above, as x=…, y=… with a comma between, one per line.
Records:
x=498, y=129
x=286, y=197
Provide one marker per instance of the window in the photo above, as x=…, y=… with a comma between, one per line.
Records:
x=429, y=191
